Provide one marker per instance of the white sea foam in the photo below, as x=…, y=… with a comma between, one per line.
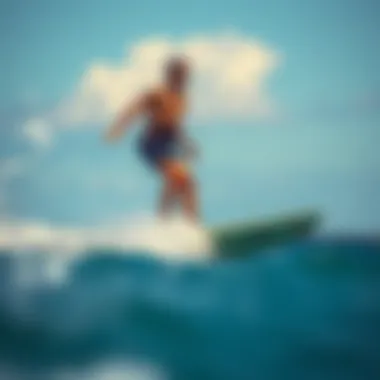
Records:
x=174, y=238
x=112, y=370
x=115, y=371
x=55, y=248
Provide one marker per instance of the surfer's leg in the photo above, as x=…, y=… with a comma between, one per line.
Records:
x=189, y=200
x=167, y=200
x=180, y=187
x=153, y=150
x=160, y=152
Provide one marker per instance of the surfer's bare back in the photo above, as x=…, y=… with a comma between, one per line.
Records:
x=163, y=144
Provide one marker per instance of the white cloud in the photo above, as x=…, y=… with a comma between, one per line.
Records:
x=229, y=81
x=38, y=131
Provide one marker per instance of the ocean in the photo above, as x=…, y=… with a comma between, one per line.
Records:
x=306, y=310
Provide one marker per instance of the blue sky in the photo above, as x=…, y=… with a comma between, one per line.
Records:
x=318, y=148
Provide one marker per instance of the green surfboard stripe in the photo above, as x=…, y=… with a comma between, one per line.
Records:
x=251, y=236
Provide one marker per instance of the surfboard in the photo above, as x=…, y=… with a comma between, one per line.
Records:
x=251, y=236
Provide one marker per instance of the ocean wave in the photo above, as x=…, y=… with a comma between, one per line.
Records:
x=291, y=305
x=45, y=253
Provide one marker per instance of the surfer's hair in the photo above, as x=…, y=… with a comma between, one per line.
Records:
x=177, y=65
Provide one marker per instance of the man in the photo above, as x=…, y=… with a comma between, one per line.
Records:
x=163, y=144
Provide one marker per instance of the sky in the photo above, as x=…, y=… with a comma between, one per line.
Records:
x=285, y=106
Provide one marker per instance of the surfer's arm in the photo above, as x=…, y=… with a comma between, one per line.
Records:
x=125, y=118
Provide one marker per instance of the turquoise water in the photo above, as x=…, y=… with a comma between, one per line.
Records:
x=308, y=310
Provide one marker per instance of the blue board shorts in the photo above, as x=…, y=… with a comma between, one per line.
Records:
x=156, y=146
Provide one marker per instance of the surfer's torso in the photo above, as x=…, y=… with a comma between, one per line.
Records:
x=165, y=109
x=161, y=138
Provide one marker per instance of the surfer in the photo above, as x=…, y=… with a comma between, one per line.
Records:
x=163, y=144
